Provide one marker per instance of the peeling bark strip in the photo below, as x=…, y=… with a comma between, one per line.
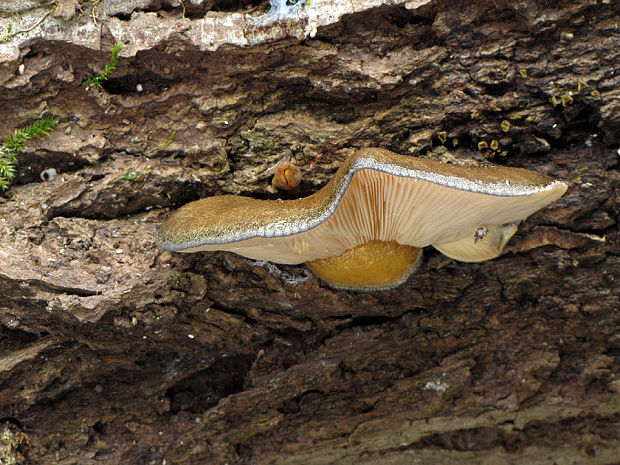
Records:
x=112, y=351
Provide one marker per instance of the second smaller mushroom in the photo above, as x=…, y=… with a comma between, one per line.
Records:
x=366, y=228
x=287, y=176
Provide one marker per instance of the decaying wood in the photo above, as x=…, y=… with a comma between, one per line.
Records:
x=114, y=351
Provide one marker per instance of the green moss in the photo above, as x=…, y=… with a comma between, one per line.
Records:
x=165, y=144
x=131, y=175
x=110, y=66
x=176, y=276
x=14, y=144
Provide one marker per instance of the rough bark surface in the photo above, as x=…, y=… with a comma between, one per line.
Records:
x=114, y=351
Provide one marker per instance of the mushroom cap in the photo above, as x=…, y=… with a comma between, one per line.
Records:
x=287, y=176
x=376, y=195
x=376, y=265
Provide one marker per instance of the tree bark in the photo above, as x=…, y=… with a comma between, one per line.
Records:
x=115, y=351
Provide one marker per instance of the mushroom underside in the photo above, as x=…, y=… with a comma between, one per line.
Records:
x=410, y=212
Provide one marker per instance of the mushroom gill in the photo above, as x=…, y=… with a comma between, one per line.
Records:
x=380, y=208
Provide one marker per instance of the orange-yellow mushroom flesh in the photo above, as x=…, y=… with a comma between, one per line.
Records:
x=374, y=265
x=286, y=177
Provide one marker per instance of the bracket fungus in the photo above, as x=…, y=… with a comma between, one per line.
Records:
x=366, y=228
